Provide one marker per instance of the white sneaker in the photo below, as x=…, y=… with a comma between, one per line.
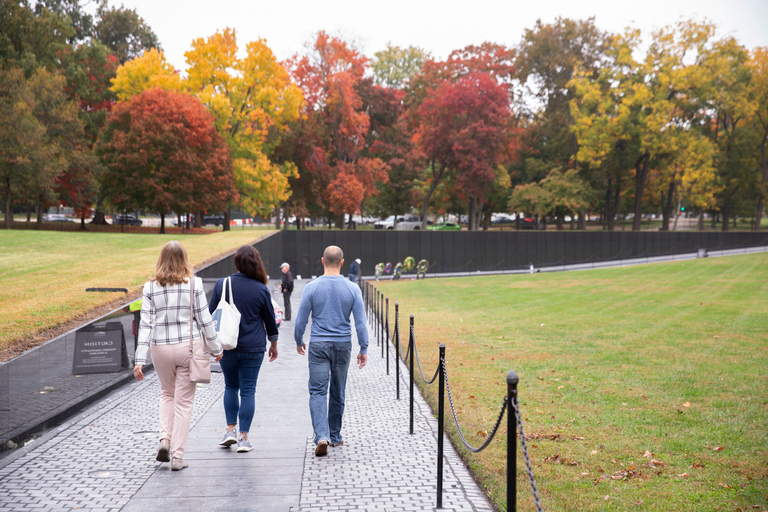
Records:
x=243, y=445
x=229, y=438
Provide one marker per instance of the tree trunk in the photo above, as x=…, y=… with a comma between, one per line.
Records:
x=487, y=219
x=607, y=210
x=726, y=216
x=339, y=221
x=666, y=206
x=82, y=223
x=435, y=179
x=761, y=197
x=700, y=226
x=98, y=216
x=287, y=214
x=39, y=212
x=641, y=174
x=162, y=223
x=227, y=219
x=29, y=213
x=8, y=205
x=677, y=212
x=472, y=213
x=582, y=220
x=199, y=219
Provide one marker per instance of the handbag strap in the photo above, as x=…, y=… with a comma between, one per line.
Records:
x=231, y=296
x=191, y=311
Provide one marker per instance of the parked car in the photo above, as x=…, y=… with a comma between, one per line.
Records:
x=127, y=219
x=502, y=218
x=445, y=226
x=403, y=222
x=528, y=223
x=208, y=220
x=56, y=217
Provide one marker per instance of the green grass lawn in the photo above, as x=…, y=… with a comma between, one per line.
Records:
x=44, y=274
x=641, y=388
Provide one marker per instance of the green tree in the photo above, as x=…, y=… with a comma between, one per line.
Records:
x=39, y=136
x=124, y=32
x=394, y=66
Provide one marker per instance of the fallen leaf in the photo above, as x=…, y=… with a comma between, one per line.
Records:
x=560, y=387
x=680, y=411
x=721, y=484
x=538, y=377
x=471, y=396
x=542, y=325
x=718, y=448
x=606, y=497
x=699, y=465
x=638, y=502
x=539, y=411
x=593, y=452
x=578, y=438
x=687, y=404
x=585, y=473
x=647, y=454
x=715, y=336
x=482, y=433
x=683, y=474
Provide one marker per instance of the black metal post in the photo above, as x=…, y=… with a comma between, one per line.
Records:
x=412, y=352
x=440, y=415
x=378, y=317
x=382, y=352
x=386, y=323
x=512, y=380
x=397, y=365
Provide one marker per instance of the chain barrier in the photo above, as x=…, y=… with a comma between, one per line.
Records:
x=528, y=469
x=456, y=420
x=418, y=363
x=413, y=353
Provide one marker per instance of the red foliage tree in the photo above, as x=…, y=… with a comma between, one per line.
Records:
x=462, y=128
x=163, y=153
x=333, y=131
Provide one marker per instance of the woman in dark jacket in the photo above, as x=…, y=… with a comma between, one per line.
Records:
x=242, y=364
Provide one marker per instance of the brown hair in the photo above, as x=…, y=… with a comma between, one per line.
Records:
x=173, y=266
x=332, y=256
x=248, y=261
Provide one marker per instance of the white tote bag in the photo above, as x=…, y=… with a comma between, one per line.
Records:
x=226, y=318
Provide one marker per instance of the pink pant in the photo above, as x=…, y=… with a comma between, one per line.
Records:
x=177, y=394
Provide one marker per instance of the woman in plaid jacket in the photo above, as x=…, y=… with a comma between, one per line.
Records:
x=164, y=331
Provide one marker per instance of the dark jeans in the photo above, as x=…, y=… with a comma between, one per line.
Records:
x=287, y=305
x=241, y=371
x=328, y=364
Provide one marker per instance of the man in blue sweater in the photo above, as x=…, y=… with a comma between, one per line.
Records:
x=330, y=298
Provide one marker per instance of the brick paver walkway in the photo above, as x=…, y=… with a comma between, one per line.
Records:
x=104, y=458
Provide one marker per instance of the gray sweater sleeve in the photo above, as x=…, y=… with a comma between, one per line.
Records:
x=358, y=310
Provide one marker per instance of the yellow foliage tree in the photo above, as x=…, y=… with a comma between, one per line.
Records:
x=253, y=101
x=143, y=73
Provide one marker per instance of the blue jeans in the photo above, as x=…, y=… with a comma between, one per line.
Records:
x=328, y=364
x=241, y=371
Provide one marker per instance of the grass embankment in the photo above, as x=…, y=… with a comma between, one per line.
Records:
x=641, y=388
x=44, y=274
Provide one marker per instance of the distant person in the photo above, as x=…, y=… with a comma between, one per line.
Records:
x=164, y=331
x=330, y=299
x=241, y=365
x=286, y=286
x=354, y=271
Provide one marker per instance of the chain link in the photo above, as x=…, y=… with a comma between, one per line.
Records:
x=536, y=499
x=418, y=363
x=456, y=421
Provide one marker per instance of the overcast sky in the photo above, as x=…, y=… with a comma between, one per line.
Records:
x=436, y=26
